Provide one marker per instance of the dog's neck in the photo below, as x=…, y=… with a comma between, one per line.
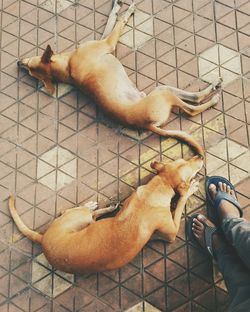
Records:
x=150, y=193
x=171, y=181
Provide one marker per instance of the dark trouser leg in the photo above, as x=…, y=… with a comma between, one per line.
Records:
x=237, y=232
x=236, y=276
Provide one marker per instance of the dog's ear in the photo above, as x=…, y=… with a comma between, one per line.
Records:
x=157, y=165
x=47, y=55
x=49, y=86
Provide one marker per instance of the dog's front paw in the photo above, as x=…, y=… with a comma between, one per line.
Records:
x=215, y=99
x=91, y=205
x=129, y=12
x=132, y=8
x=194, y=186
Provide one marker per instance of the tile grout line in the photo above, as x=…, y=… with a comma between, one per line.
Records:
x=7, y=274
x=16, y=154
x=160, y=150
x=55, y=100
x=37, y=121
x=77, y=142
x=139, y=160
x=186, y=214
x=242, y=79
x=97, y=152
x=224, y=121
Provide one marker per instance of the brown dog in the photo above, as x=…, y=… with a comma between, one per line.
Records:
x=94, y=69
x=75, y=243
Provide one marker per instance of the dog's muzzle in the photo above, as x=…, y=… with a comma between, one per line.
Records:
x=23, y=63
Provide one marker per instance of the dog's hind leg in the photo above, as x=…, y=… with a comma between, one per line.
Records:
x=192, y=110
x=78, y=218
x=172, y=100
x=194, y=97
x=90, y=205
x=74, y=219
x=100, y=212
x=112, y=18
x=113, y=38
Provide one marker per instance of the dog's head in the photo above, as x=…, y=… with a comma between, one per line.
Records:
x=178, y=173
x=40, y=68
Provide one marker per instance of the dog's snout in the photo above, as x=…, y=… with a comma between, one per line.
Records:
x=23, y=62
x=197, y=162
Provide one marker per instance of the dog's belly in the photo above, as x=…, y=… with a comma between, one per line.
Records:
x=108, y=82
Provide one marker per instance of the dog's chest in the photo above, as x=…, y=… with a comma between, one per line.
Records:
x=158, y=200
x=154, y=198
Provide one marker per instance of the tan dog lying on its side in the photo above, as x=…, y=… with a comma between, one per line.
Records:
x=75, y=243
x=94, y=69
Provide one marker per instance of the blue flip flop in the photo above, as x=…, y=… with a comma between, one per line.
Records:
x=208, y=234
x=220, y=195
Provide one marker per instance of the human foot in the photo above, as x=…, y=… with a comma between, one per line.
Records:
x=222, y=199
x=226, y=208
x=205, y=233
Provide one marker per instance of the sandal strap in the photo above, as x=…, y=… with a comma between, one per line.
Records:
x=208, y=236
x=225, y=196
x=214, y=212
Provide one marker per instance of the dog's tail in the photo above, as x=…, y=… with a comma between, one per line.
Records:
x=181, y=135
x=32, y=235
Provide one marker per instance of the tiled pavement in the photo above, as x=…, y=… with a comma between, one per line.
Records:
x=58, y=152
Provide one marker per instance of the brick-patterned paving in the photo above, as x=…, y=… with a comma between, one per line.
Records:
x=58, y=152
